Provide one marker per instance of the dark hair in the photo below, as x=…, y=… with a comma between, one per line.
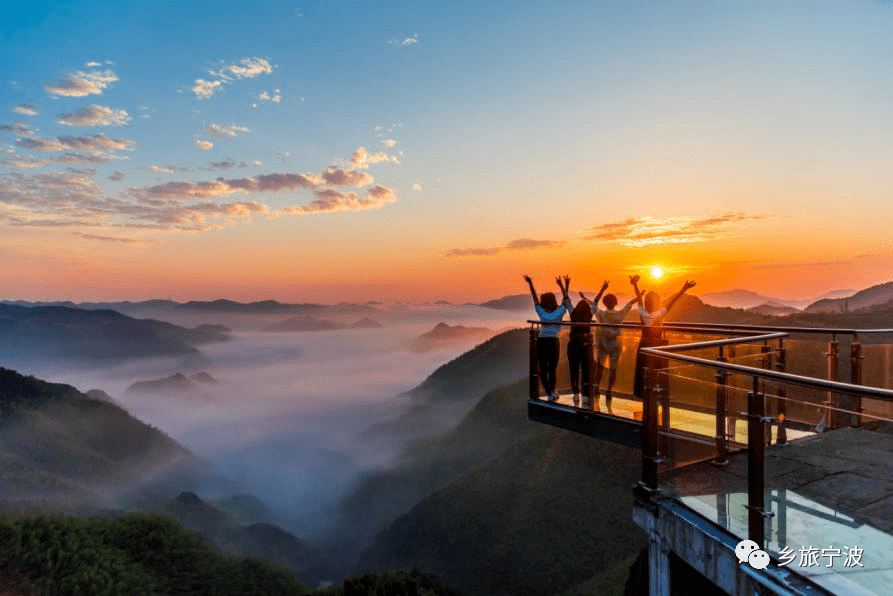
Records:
x=548, y=301
x=652, y=301
x=610, y=300
x=582, y=313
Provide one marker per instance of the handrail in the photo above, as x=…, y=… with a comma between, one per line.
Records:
x=695, y=328
x=668, y=352
x=723, y=328
x=823, y=330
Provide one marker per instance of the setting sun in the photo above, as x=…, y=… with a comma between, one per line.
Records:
x=657, y=272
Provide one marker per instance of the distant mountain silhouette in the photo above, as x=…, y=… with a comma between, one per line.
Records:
x=176, y=384
x=443, y=335
x=69, y=335
x=869, y=297
x=365, y=324
x=203, y=377
x=739, y=299
x=513, y=302
x=773, y=310
x=303, y=324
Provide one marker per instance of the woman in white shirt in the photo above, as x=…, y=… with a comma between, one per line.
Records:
x=652, y=329
x=548, y=349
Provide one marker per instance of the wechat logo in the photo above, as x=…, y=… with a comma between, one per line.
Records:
x=749, y=552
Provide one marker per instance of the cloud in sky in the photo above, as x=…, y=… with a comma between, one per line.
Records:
x=24, y=162
x=647, y=231
x=18, y=128
x=167, y=169
x=97, y=143
x=95, y=115
x=114, y=238
x=204, y=145
x=82, y=83
x=73, y=198
x=230, y=130
x=117, y=176
x=416, y=187
x=204, y=89
x=246, y=68
x=265, y=96
x=330, y=200
x=514, y=245
x=361, y=158
x=28, y=109
x=406, y=41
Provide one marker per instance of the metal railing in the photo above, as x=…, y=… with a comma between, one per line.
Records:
x=843, y=404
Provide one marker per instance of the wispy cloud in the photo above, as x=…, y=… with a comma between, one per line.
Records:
x=97, y=143
x=73, y=198
x=116, y=176
x=226, y=164
x=646, y=231
x=204, y=145
x=246, y=68
x=95, y=115
x=18, y=128
x=266, y=96
x=330, y=200
x=361, y=158
x=168, y=169
x=124, y=240
x=204, y=89
x=416, y=187
x=405, y=41
x=28, y=109
x=514, y=245
x=82, y=83
x=230, y=130
x=24, y=162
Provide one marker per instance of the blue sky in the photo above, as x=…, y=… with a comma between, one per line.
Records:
x=488, y=123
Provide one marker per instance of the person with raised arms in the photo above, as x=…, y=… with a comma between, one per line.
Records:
x=548, y=350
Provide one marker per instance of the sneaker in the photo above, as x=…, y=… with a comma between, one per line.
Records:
x=553, y=397
x=576, y=399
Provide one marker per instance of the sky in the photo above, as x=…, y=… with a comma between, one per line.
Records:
x=353, y=151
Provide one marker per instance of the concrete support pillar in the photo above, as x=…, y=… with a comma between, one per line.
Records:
x=658, y=567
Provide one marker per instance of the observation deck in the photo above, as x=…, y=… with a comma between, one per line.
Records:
x=748, y=432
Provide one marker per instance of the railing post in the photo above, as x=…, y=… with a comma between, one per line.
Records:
x=856, y=378
x=756, y=447
x=833, y=354
x=662, y=397
x=766, y=362
x=781, y=436
x=722, y=447
x=649, y=434
x=534, y=366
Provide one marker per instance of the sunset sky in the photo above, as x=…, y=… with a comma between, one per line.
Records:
x=333, y=151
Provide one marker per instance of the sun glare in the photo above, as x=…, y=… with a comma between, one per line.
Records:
x=657, y=272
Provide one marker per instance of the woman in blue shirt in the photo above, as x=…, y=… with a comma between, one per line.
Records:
x=547, y=347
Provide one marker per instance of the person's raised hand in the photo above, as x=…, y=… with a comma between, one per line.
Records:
x=605, y=285
x=688, y=285
x=567, y=282
x=634, y=279
x=527, y=279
